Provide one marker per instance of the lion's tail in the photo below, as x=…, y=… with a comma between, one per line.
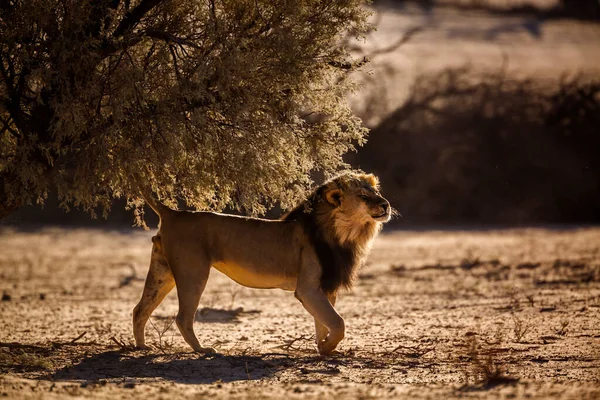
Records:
x=158, y=207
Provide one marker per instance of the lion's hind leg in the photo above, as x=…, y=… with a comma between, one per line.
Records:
x=191, y=276
x=159, y=283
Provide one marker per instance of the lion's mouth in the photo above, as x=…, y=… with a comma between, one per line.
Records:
x=381, y=217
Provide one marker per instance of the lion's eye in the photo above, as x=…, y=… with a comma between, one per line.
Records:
x=362, y=196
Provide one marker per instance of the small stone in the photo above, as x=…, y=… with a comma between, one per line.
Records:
x=6, y=297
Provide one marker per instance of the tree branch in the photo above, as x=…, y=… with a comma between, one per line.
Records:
x=7, y=206
x=6, y=128
x=168, y=37
x=8, y=80
x=133, y=17
x=348, y=65
x=13, y=105
x=21, y=83
x=175, y=64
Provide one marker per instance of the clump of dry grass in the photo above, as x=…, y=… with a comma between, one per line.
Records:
x=21, y=360
x=562, y=329
x=234, y=290
x=484, y=369
x=520, y=328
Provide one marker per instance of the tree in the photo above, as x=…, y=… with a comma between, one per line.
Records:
x=214, y=102
x=586, y=9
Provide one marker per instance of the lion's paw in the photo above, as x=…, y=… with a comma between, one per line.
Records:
x=206, y=350
x=326, y=348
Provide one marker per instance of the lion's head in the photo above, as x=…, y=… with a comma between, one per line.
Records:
x=357, y=197
x=351, y=206
x=348, y=208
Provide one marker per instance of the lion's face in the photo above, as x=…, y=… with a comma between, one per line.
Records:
x=376, y=206
x=357, y=197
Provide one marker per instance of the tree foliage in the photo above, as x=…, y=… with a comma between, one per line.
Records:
x=214, y=102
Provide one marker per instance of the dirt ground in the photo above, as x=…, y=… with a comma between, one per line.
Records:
x=435, y=314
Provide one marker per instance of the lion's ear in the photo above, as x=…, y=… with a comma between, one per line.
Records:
x=334, y=197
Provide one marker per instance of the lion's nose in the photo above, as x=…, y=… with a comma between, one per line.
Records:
x=384, y=205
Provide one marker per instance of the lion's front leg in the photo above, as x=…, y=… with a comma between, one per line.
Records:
x=321, y=330
x=318, y=305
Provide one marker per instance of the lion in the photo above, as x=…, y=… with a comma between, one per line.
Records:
x=314, y=251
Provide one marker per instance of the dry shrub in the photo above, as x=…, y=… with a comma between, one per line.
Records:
x=486, y=148
x=546, y=9
x=163, y=344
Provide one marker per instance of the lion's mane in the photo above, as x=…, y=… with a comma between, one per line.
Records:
x=341, y=238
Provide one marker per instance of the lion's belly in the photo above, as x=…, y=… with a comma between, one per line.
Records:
x=255, y=278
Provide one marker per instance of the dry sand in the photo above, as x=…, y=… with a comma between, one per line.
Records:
x=435, y=314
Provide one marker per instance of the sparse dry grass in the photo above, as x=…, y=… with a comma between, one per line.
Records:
x=164, y=344
x=483, y=367
x=520, y=328
x=20, y=360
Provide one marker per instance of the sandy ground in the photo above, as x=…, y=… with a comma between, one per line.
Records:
x=435, y=314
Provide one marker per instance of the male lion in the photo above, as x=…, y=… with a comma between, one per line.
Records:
x=314, y=250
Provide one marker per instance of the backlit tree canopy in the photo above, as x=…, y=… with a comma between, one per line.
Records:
x=216, y=102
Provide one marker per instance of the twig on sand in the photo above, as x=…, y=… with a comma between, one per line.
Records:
x=289, y=344
x=121, y=344
x=413, y=351
x=248, y=372
x=78, y=337
x=274, y=355
x=74, y=342
x=130, y=278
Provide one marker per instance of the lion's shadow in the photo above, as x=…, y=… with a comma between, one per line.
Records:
x=180, y=368
x=114, y=364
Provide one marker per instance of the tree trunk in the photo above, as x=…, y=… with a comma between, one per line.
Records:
x=585, y=9
x=6, y=210
x=6, y=207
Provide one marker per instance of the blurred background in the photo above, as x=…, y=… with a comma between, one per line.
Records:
x=481, y=112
